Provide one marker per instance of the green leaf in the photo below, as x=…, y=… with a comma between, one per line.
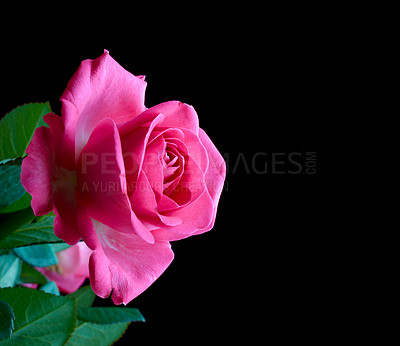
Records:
x=12, y=222
x=91, y=334
x=5, y=161
x=34, y=233
x=84, y=297
x=11, y=189
x=40, y=318
x=10, y=269
x=30, y=275
x=109, y=315
x=60, y=247
x=22, y=203
x=18, y=126
x=50, y=287
x=41, y=217
x=41, y=255
x=6, y=320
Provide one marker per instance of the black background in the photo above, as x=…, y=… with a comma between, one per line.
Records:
x=261, y=85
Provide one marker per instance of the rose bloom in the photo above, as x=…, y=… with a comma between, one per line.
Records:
x=124, y=178
x=72, y=268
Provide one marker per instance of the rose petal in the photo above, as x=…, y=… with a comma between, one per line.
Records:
x=195, y=216
x=63, y=195
x=214, y=177
x=166, y=134
x=65, y=283
x=102, y=183
x=172, y=182
x=84, y=254
x=166, y=204
x=191, y=184
x=177, y=115
x=46, y=178
x=38, y=167
x=100, y=275
x=73, y=264
x=133, y=264
x=145, y=206
x=143, y=200
x=196, y=149
x=84, y=223
x=100, y=88
x=134, y=147
x=65, y=226
x=152, y=165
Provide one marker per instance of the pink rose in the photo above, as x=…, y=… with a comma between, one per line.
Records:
x=72, y=268
x=125, y=178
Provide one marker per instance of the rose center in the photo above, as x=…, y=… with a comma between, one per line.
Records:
x=171, y=162
x=170, y=165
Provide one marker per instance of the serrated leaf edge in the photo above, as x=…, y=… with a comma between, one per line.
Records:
x=97, y=324
x=21, y=229
x=107, y=324
x=25, y=104
x=38, y=243
x=12, y=320
x=76, y=318
x=52, y=295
